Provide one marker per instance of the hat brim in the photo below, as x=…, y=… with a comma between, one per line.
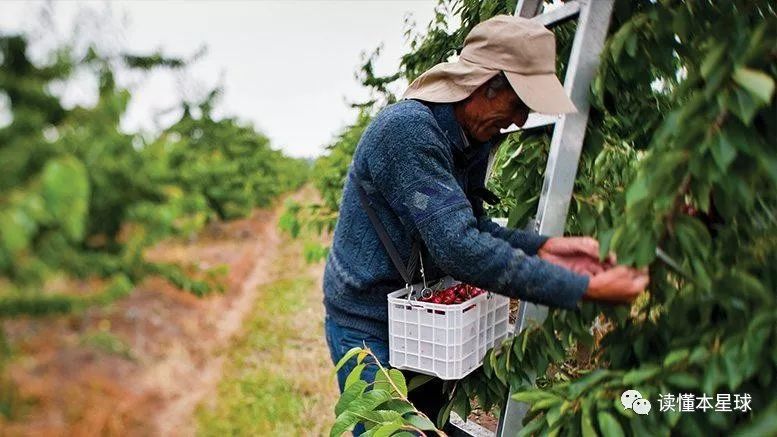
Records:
x=542, y=93
x=449, y=82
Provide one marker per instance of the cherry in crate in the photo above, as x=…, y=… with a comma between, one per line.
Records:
x=458, y=293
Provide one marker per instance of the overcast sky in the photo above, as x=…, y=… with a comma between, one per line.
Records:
x=286, y=66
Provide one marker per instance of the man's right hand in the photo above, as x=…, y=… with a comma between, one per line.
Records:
x=619, y=284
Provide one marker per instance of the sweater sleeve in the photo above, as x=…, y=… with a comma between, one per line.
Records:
x=413, y=170
x=529, y=242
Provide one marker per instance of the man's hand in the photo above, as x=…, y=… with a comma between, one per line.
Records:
x=608, y=282
x=579, y=254
x=619, y=284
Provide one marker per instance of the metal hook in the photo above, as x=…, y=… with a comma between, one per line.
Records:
x=426, y=292
x=423, y=275
x=409, y=293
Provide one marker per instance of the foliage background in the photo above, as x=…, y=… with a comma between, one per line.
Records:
x=81, y=200
x=679, y=154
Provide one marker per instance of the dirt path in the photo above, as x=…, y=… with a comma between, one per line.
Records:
x=278, y=378
x=142, y=365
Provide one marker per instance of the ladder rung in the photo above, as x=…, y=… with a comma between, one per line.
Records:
x=534, y=121
x=560, y=14
x=468, y=428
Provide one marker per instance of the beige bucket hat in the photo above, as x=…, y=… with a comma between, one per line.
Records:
x=523, y=49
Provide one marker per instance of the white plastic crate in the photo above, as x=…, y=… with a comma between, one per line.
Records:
x=447, y=341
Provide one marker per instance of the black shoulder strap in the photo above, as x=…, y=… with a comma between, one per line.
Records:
x=407, y=272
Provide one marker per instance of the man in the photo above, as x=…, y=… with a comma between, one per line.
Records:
x=421, y=165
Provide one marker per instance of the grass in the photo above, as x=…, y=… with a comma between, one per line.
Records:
x=108, y=343
x=277, y=379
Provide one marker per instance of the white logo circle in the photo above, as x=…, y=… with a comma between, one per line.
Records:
x=641, y=406
x=628, y=397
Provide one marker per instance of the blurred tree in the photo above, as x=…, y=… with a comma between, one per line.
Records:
x=81, y=197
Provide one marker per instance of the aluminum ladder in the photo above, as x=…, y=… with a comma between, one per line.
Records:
x=593, y=18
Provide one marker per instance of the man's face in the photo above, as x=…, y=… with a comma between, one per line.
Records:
x=483, y=115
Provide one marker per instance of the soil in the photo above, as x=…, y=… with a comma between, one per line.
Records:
x=174, y=344
x=484, y=418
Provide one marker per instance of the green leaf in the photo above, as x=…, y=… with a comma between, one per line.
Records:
x=683, y=380
x=553, y=415
x=348, y=355
x=675, y=357
x=399, y=405
x=487, y=368
x=65, y=189
x=631, y=45
x=546, y=403
x=646, y=250
x=387, y=429
x=396, y=377
x=712, y=60
x=518, y=213
x=444, y=414
x=379, y=416
x=586, y=420
x=399, y=381
x=418, y=381
x=354, y=376
x=743, y=105
x=585, y=383
x=535, y=395
x=420, y=422
x=722, y=151
x=765, y=423
x=461, y=404
x=605, y=237
x=609, y=425
x=641, y=427
x=360, y=406
x=733, y=367
x=713, y=377
x=533, y=426
x=586, y=216
x=638, y=376
x=344, y=423
x=500, y=368
x=17, y=229
x=750, y=285
x=618, y=40
x=637, y=191
x=758, y=83
x=349, y=395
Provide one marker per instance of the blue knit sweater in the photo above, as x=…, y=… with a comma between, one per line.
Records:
x=421, y=177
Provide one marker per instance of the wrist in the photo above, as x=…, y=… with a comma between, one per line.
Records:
x=531, y=242
x=544, y=242
x=594, y=287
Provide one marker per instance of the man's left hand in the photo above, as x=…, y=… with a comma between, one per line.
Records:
x=579, y=254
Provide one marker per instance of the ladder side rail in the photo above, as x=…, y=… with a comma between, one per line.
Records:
x=567, y=141
x=556, y=16
x=534, y=121
x=458, y=427
x=561, y=169
x=529, y=8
